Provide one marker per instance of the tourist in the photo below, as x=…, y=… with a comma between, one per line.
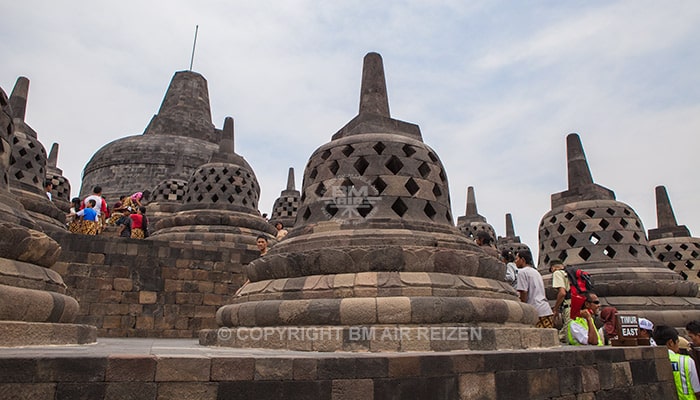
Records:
x=646, y=329
x=511, y=269
x=117, y=210
x=485, y=241
x=137, y=220
x=582, y=330
x=609, y=329
x=72, y=219
x=90, y=219
x=531, y=288
x=100, y=205
x=124, y=223
x=261, y=242
x=685, y=373
x=281, y=232
x=48, y=187
x=562, y=305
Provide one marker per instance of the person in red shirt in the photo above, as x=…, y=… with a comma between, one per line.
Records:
x=139, y=224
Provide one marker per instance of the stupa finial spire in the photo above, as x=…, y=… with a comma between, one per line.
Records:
x=290, y=179
x=510, y=230
x=373, y=94
x=18, y=98
x=471, y=203
x=53, y=156
x=579, y=173
x=665, y=218
x=226, y=147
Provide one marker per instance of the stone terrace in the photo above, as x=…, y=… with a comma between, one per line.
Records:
x=180, y=369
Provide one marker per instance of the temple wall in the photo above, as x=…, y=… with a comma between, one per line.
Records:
x=146, y=288
x=562, y=373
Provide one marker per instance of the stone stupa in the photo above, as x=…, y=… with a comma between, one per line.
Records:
x=60, y=193
x=472, y=222
x=510, y=241
x=374, y=262
x=587, y=227
x=287, y=205
x=28, y=161
x=671, y=243
x=181, y=132
x=34, y=307
x=220, y=207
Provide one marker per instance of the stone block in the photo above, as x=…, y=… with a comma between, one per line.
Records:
x=17, y=370
x=273, y=369
x=622, y=374
x=182, y=369
x=477, y=386
x=358, y=311
x=74, y=369
x=131, y=390
x=144, y=322
x=187, y=390
x=352, y=389
x=28, y=391
x=590, y=381
x=304, y=369
x=148, y=297
x=81, y=390
x=127, y=368
x=643, y=371
x=392, y=310
x=123, y=284
x=401, y=366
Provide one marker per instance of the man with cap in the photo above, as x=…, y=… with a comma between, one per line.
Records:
x=646, y=328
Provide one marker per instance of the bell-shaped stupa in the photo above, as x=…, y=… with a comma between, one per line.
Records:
x=472, y=222
x=167, y=197
x=510, y=241
x=286, y=206
x=60, y=193
x=374, y=261
x=181, y=132
x=34, y=307
x=220, y=207
x=671, y=243
x=28, y=165
x=588, y=228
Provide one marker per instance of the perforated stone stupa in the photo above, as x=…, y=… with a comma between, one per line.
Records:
x=472, y=222
x=374, y=249
x=182, y=131
x=588, y=228
x=28, y=165
x=60, y=193
x=34, y=308
x=220, y=207
x=510, y=241
x=287, y=205
x=671, y=243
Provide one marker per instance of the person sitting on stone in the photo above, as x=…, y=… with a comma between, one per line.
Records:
x=90, y=219
x=531, y=288
x=117, y=210
x=124, y=223
x=261, y=242
x=137, y=231
x=48, y=187
x=511, y=269
x=281, y=232
x=485, y=241
x=72, y=219
x=685, y=373
x=646, y=329
x=582, y=330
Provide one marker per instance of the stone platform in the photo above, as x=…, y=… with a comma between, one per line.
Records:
x=139, y=368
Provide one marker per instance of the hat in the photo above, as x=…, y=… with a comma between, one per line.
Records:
x=646, y=324
x=683, y=343
x=129, y=209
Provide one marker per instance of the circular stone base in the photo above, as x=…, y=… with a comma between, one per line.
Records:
x=16, y=334
x=378, y=338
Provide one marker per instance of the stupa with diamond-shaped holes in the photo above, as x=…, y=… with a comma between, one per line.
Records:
x=587, y=227
x=374, y=261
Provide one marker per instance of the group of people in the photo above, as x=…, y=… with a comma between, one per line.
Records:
x=90, y=215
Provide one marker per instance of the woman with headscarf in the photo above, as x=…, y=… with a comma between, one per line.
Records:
x=609, y=330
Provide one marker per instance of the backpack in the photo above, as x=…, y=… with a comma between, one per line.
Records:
x=579, y=281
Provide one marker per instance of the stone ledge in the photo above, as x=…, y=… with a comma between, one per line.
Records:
x=14, y=334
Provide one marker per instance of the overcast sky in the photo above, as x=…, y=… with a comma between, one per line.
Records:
x=495, y=87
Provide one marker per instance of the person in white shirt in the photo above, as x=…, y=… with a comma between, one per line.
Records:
x=683, y=367
x=531, y=288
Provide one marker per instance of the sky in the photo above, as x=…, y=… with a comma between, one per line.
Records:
x=495, y=87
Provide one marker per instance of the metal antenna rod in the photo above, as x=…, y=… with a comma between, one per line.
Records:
x=196, y=29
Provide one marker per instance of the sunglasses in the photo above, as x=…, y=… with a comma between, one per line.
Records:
x=594, y=302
